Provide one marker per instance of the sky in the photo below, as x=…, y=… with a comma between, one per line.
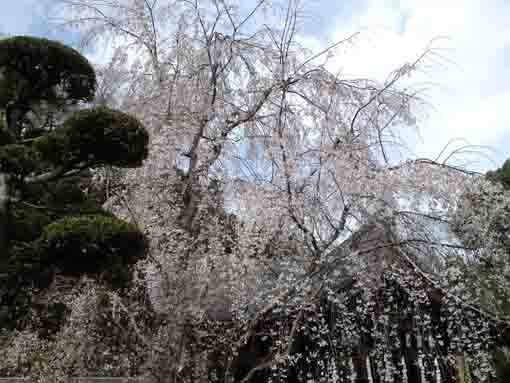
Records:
x=466, y=84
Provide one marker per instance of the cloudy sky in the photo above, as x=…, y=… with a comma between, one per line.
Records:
x=467, y=85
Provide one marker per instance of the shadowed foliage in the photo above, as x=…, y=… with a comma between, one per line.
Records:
x=32, y=67
x=50, y=225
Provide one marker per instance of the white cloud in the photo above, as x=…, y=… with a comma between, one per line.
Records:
x=471, y=94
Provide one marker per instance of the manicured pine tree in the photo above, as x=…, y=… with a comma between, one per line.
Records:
x=49, y=141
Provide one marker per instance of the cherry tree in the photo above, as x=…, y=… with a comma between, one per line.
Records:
x=264, y=167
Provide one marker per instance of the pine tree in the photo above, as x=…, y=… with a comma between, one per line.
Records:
x=49, y=141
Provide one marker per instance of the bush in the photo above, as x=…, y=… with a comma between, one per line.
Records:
x=27, y=222
x=53, y=148
x=106, y=136
x=53, y=224
x=5, y=137
x=18, y=159
x=48, y=63
x=92, y=244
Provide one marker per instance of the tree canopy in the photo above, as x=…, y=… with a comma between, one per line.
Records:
x=50, y=225
x=288, y=237
x=33, y=68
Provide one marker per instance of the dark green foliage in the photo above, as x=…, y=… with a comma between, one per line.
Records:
x=67, y=198
x=27, y=222
x=27, y=267
x=96, y=136
x=18, y=159
x=502, y=362
x=53, y=148
x=43, y=64
x=63, y=197
x=7, y=89
x=92, y=244
x=103, y=135
x=15, y=305
x=501, y=175
x=52, y=224
x=5, y=137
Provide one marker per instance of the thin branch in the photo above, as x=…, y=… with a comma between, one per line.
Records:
x=326, y=50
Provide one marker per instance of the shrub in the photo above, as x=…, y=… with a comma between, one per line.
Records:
x=103, y=135
x=92, y=244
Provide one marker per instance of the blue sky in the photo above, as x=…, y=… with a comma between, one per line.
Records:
x=468, y=89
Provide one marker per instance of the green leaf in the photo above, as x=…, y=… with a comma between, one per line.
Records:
x=44, y=64
x=105, y=136
x=18, y=159
x=84, y=244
